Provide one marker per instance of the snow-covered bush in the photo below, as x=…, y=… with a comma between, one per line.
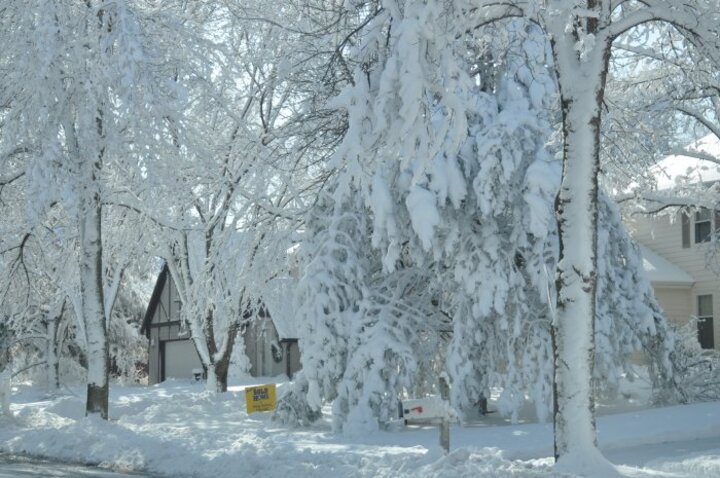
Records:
x=368, y=337
x=128, y=348
x=629, y=318
x=696, y=371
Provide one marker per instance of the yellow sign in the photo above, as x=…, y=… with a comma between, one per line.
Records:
x=261, y=398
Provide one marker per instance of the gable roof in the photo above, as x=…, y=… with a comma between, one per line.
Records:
x=154, y=299
x=279, y=311
x=663, y=272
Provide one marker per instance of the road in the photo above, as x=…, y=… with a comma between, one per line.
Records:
x=668, y=452
x=21, y=467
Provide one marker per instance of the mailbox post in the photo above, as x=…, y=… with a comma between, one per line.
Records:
x=433, y=410
x=445, y=419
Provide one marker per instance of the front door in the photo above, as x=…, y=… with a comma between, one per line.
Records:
x=706, y=332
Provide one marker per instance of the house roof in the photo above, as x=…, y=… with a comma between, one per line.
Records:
x=663, y=272
x=154, y=299
x=277, y=305
x=680, y=168
x=281, y=310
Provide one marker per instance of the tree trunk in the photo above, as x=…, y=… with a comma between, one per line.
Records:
x=581, y=80
x=52, y=354
x=221, y=369
x=93, y=308
x=573, y=330
x=217, y=369
x=217, y=378
x=5, y=379
x=5, y=389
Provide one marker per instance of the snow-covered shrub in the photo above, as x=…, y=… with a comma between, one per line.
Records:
x=293, y=407
x=629, y=318
x=128, y=348
x=394, y=335
x=696, y=371
x=367, y=337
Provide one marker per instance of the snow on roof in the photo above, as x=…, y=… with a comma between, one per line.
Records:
x=662, y=271
x=682, y=168
x=285, y=326
x=278, y=300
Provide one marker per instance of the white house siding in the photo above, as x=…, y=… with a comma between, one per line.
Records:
x=663, y=234
x=676, y=303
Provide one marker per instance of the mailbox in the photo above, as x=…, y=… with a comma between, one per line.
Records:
x=424, y=409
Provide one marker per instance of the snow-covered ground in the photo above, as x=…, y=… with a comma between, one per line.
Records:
x=178, y=430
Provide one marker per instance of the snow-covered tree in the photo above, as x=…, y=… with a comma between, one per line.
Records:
x=328, y=300
x=431, y=151
x=404, y=196
x=226, y=210
x=662, y=99
x=446, y=182
x=628, y=318
x=39, y=279
x=582, y=34
x=86, y=108
x=367, y=336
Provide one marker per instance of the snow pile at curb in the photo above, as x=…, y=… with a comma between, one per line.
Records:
x=182, y=432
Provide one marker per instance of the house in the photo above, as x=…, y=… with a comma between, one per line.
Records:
x=678, y=247
x=271, y=345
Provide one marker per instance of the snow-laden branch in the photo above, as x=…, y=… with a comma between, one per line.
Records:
x=695, y=154
x=146, y=213
x=113, y=286
x=646, y=52
x=655, y=202
x=6, y=180
x=12, y=152
x=629, y=21
x=495, y=10
x=699, y=25
x=28, y=367
x=712, y=125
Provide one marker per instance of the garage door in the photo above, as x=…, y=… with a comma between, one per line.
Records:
x=180, y=359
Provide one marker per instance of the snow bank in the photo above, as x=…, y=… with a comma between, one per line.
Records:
x=179, y=430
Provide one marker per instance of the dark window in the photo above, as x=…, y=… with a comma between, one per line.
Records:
x=685, y=221
x=706, y=334
x=703, y=226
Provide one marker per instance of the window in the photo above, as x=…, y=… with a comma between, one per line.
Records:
x=685, y=221
x=703, y=226
x=706, y=334
x=701, y=223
